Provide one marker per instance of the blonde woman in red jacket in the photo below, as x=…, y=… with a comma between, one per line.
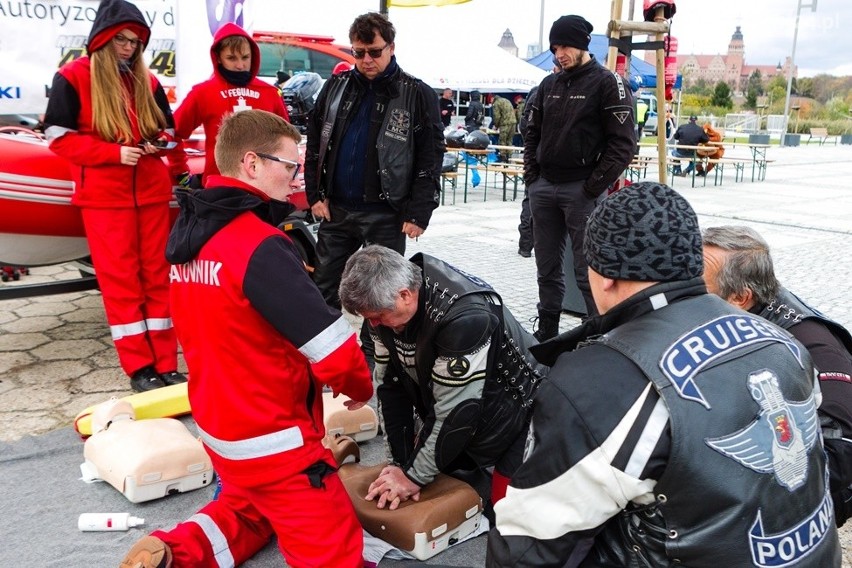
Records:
x=104, y=114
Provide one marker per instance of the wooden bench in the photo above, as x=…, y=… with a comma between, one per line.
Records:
x=509, y=171
x=638, y=167
x=761, y=168
x=452, y=178
x=719, y=164
x=821, y=135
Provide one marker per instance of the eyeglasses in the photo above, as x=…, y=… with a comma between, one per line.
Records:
x=121, y=41
x=296, y=165
x=374, y=52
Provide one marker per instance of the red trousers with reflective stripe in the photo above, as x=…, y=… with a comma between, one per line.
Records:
x=128, y=247
x=315, y=527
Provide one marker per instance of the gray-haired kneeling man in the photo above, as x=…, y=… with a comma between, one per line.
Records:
x=454, y=374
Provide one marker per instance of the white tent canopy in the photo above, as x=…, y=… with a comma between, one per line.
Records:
x=455, y=58
x=486, y=68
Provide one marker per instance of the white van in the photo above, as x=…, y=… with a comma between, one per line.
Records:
x=651, y=101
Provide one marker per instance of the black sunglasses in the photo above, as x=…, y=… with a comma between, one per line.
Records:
x=285, y=161
x=374, y=52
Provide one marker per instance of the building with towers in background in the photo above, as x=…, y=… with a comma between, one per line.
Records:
x=730, y=68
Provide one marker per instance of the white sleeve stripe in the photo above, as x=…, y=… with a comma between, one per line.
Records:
x=326, y=341
x=586, y=495
x=654, y=428
x=582, y=498
x=54, y=132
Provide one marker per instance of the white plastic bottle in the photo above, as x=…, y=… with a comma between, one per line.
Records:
x=108, y=521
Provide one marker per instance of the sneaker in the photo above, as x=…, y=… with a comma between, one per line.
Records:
x=148, y=552
x=525, y=253
x=173, y=378
x=146, y=379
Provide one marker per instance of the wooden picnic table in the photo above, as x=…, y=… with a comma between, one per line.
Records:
x=757, y=151
x=481, y=156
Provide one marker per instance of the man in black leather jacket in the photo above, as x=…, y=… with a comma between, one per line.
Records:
x=738, y=268
x=374, y=153
x=452, y=364
x=578, y=141
x=669, y=427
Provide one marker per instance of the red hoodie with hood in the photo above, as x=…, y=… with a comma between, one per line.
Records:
x=208, y=102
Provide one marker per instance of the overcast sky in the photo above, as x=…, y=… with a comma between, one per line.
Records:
x=824, y=42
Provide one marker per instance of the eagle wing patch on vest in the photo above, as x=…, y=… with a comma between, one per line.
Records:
x=779, y=439
x=699, y=347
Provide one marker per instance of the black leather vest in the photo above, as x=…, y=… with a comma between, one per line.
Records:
x=395, y=142
x=786, y=310
x=512, y=375
x=746, y=481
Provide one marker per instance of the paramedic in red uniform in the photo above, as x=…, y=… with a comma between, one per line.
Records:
x=233, y=87
x=104, y=110
x=260, y=343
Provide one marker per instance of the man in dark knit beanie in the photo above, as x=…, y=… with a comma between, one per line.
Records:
x=672, y=428
x=578, y=141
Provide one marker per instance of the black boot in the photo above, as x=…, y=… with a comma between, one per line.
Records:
x=548, y=325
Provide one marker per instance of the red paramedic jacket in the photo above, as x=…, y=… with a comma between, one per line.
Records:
x=258, y=338
x=100, y=179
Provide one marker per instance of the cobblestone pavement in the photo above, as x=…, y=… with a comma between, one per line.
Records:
x=57, y=358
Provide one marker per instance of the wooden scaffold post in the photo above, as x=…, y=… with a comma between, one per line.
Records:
x=658, y=28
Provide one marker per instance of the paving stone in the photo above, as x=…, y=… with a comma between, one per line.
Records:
x=21, y=341
x=41, y=398
x=8, y=385
x=32, y=324
x=104, y=382
x=12, y=305
x=27, y=423
x=87, y=314
x=50, y=373
x=68, y=349
x=44, y=309
x=107, y=358
x=79, y=330
x=90, y=300
x=6, y=316
x=11, y=359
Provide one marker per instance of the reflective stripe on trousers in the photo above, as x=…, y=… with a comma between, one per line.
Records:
x=218, y=542
x=137, y=327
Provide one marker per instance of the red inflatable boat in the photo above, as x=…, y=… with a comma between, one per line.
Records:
x=38, y=224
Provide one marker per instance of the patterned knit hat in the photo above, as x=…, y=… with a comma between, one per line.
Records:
x=646, y=232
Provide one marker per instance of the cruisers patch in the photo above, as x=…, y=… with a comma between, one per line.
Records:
x=779, y=439
x=704, y=344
